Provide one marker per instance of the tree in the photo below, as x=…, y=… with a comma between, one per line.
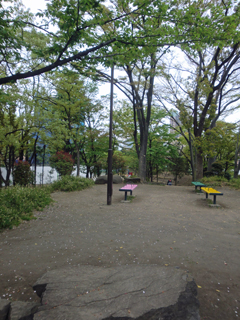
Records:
x=236, y=158
x=17, y=125
x=162, y=145
x=22, y=173
x=219, y=144
x=78, y=35
x=190, y=26
x=62, y=162
x=74, y=118
x=178, y=166
x=119, y=162
x=211, y=89
x=128, y=33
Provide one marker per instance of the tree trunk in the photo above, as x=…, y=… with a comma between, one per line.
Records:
x=210, y=163
x=0, y=178
x=192, y=158
x=236, y=160
x=199, y=165
x=43, y=163
x=35, y=168
x=150, y=162
x=142, y=171
x=236, y=170
x=88, y=171
x=78, y=160
x=175, y=179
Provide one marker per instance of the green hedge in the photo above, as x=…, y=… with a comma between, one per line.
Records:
x=70, y=183
x=17, y=204
x=218, y=181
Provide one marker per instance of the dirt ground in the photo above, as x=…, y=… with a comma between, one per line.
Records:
x=163, y=225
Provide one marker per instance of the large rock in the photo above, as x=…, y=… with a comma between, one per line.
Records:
x=4, y=308
x=121, y=293
x=132, y=180
x=20, y=310
x=104, y=179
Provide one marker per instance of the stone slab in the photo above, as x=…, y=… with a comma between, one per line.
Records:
x=20, y=310
x=4, y=308
x=104, y=179
x=124, y=292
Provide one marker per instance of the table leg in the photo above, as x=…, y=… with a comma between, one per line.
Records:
x=214, y=199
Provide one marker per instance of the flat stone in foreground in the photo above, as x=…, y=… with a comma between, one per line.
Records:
x=4, y=308
x=20, y=310
x=126, y=292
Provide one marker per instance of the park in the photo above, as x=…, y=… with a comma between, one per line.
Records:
x=165, y=226
x=119, y=159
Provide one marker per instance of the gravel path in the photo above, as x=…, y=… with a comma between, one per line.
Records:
x=163, y=225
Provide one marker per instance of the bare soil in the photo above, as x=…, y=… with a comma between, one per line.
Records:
x=163, y=225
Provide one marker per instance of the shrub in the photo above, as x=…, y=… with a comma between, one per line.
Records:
x=217, y=168
x=235, y=183
x=17, y=203
x=22, y=173
x=227, y=175
x=62, y=162
x=70, y=183
x=215, y=181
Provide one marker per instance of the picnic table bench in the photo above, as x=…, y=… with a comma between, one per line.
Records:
x=213, y=192
x=128, y=188
x=198, y=184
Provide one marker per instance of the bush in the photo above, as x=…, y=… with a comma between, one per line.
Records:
x=235, y=183
x=62, y=162
x=208, y=174
x=70, y=183
x=227, y=175
x=217, y=168
x=214, y=181
x=22, y=173
x=220, y=181
x=17, y=203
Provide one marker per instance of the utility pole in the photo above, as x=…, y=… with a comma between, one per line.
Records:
x=110, y=151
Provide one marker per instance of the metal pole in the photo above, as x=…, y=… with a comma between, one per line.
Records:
x=110, y=174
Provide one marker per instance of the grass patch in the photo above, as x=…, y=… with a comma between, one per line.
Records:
x=235, y=183
x=130, y=198
x=17, y=203
x=216, y=181
x=70, y=183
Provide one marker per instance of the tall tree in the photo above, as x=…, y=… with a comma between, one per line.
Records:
x=211, y=89
x=17, y=125
x=190, y=26
x=73, y=116
x=237, y=156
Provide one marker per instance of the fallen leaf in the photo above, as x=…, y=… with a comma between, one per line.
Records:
x=199, y=287
x=217, y=290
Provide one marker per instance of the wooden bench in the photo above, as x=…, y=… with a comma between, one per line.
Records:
x=212, y=192
x=198, y=184
x=128, y=188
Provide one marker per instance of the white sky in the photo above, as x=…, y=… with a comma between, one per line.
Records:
x=35, y=5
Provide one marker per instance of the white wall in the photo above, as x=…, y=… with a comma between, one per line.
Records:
x=49, y=174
